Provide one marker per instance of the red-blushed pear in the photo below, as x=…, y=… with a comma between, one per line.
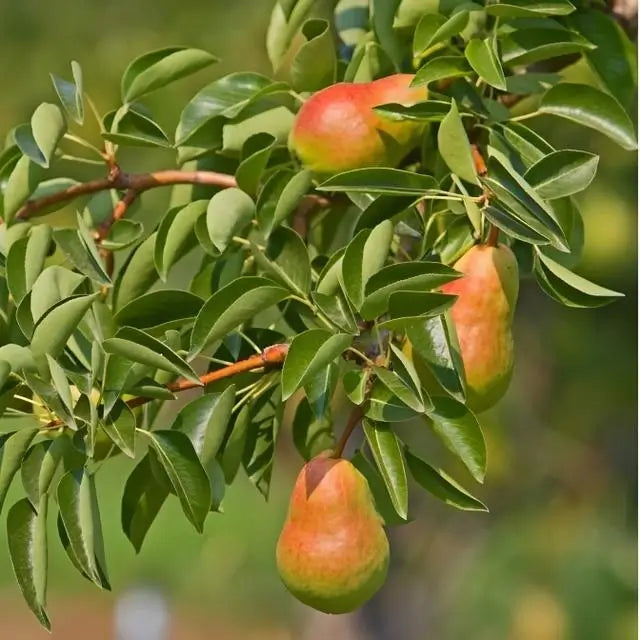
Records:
x=333, y=553
x=483, y=315
x=337, y=129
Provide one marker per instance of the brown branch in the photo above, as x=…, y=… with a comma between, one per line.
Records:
x=271, y=356
x=352, y=423
x=478, y=161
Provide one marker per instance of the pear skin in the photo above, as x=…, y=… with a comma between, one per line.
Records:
x=483, y=315
x=333, y=553
x=337, y=130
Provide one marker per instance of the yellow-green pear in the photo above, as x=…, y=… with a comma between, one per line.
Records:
x=333, y=553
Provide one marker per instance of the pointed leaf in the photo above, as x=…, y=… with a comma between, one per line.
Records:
x=160, y=308
x=454, y=147
x=120, y=426
x=380, y=180
x=314, y=66
x=562, y=173
x=71, y=93
x=48, y=127
x=13, y=446
x=485, y=63
x=434, y=28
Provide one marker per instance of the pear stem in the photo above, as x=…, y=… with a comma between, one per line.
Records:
x=492, y=239
x=352, y=423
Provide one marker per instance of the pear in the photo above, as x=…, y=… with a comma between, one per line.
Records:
x=333, y=553
x=337, y=130
x=482, y=315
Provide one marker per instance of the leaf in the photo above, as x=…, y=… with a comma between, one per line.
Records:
x=228, y=213
x=454, y=147
x=508, y=221
x=122, y=234
x=187, y=476
x=256, y=152
x=54, y=329
x=120, y=426
x=380, y=180
x=22, y=182
x=312, y=434
x=285, y=22
x=309, y=352
x=385, y=406
x=435, y=342
x=133, y=127
x=25, y=261
x=71, y=93
x=438, y=483
x=387, y=454
x=438, y=69
x=137, y=275
x=27, y=541
x=232, y=305
x=205, y=421
x=527, y=46
x=165, y=307
x=159, y=68
x=428, y=111
x=569, y=288
x=314, y=65
x=407, y=308
x=79, y=254
x=458, y=428
x=138, y=346
x=141, y=501
x=289, y=198
x=590, y=108
x=355, y=384
x=48, y=127
x=526, y=9
x=381, y=209
x=80, y=515
x=562, y=173
x=175, y=236
x=383, y=14
x=365, y=255
x=286, y=259
x=485, y=63
x=54, y=284
x=13, y=446
x=395, y=384
x=408, y=276
x=434, y=28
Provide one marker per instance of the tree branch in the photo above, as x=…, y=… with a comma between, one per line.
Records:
x=272, y=356
x=352, y=423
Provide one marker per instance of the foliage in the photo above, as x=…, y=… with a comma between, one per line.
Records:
x=305, y=289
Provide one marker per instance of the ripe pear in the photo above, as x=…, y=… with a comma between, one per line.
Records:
x=333, y=553
x=337, y=130
x=482, y=315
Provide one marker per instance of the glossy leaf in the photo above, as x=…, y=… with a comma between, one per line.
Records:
x=527, y=46
x=355, y=382
x=311, y=433
x=508, y=221
x=289, y=198
x=407, y=308
x=562, y=173
x=120, y=426
x=454, y=147
x=526, y=9
x=47, y=127
x=385, y=406
x=434, y=28
x=79, y=254
x=387, y=454
x=314, y=65
x=160, y=308
x=13, y=447
x=380, y=180
x=395, y=384
x=428, y=111
x=138, y=274
x=228, y=213
x=22, y=182
x=256, y=152
x=485, y=63
x=71, y=93
x=438, y=69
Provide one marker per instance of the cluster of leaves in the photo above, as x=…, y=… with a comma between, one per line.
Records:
x=343, y=272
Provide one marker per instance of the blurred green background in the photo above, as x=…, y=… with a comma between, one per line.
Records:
x=556, y=557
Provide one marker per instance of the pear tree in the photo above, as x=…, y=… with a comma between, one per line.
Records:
x=344, y=237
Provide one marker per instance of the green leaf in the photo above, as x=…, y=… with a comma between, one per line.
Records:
x=428, y=111
x=314, y=66
x=54, y=284
x=133, y=127
x=355, y=382
x=527, y=46
x=508, y=221
x=438, y=69
x=286, y=259
x=381, y=209
x=80, y=515
x=385, y=406
x=138, y=346
x=407, y=308
x=27, y=541
x=484, y=61
x=20, y=185
x=256, y=152
x=122, y=234
x=48, y=127
x=434, y=28
x=454, y=146
x=526, y=83
x=383, y=14
x=52, y=331
x=13, y=446
x=72, y=244
x=232, y=305
x=289, y=198
x=20, y=358
x=185, y=472
x=235, y=444
x=562, y=173
x=25, y=260
x=159, y=68
x=311, y=434
x=527, y=9
x=408, y=276
x=365, y=255
x=120, y=426
x=319, y=390
x=205, y=421
x=458, y=428
x=395, y=384
x=568, y=288
x=286, y=20
x=228, y=213
x=60, y=384
x=71, y=93
x=387, y=454
x=141, y=501
x=590, y=108
x=438, y=483
x=137, y=275
x=614, y=59
x=380, y=180
x=162, y=308
x=309, y=352
x=435, y=342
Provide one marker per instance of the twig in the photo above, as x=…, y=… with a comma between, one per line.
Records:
x=352, y=423
x=271, y=356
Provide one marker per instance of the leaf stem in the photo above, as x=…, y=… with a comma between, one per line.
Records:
x=525, y=116
x=352, y=423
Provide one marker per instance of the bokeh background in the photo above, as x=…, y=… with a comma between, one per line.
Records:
x=555, y=559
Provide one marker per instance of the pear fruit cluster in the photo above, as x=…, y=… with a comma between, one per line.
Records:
x=337, y=128
x=333, y=553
